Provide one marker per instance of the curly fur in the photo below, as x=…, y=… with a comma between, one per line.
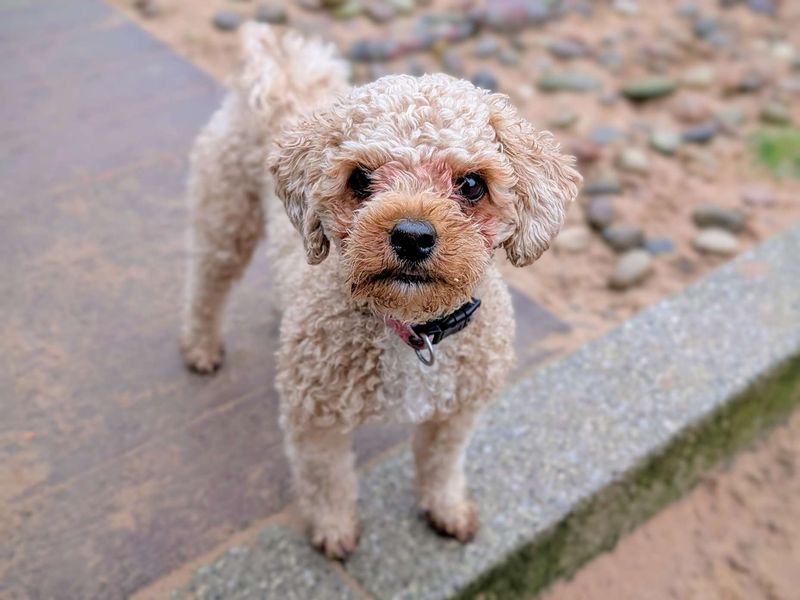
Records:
x=279, y=152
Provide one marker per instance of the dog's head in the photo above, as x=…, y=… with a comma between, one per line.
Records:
x=416, y=181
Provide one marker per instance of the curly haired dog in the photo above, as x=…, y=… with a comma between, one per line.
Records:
x=401, y=190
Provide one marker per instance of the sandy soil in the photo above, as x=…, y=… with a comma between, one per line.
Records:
x=738, y=534
x=735, y=537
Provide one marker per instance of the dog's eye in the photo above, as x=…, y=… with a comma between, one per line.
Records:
x=471, y=187
x=360, y=183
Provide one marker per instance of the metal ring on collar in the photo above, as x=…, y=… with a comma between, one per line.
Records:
x=426, y=360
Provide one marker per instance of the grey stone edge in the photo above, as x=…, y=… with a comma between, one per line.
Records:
x=576, y=455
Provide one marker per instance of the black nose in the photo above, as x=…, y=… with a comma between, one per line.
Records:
x=413, y=240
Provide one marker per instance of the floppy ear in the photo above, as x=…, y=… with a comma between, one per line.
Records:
x=296, y=166
x=546, y=182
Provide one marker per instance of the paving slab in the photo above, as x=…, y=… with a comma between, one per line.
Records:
x=116, y=464
x=591, y=445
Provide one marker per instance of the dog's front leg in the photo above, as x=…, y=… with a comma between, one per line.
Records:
x=326, y=486
x=442, y=493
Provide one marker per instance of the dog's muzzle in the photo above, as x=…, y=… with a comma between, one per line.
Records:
x=422, y=337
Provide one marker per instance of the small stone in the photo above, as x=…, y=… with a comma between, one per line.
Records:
x=764, y=7
x=659, y=246
x=604, y=183
x=648, y=88
x=402, y=7
x=573, y=239
x=604, y=135
x=374, y=50
x=376, y=71
x=508, y=58
x=701, y=134
x=568, y=81
x=347, y=10
x=691, y=108
x=149, y=9
x=611, y=59
x=416, y=68
x=600, y=212
x=272, y=13
x=633, y=160
x=744, y=82
x=485, y=79
x=716, y=241
x=758, y=195
x=699, y=77
x=452, y=63
x=623, y=237
x=513, y=15
x=775, y=113
x=729, y=119
x=704, y=27
x=711, y=215
x=568, y=49
x=226, y=21
x=631, y=269
x=626, y=7
x=688, y=10
x=665, y=141
x=564, y=119
x=486, y=46
x=380, y=12
x=586, y=151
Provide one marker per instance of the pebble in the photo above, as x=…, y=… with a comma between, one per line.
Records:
x=660, y=246
x=514, y=15
x=691, y=108
x=701, y=134
x=699, y=77
x=688, y=10
x=758, y=195
x=272, y=13
x=633, y=160
x=573, y=239
x=416, y=68
x=452, y=63
x=764, y=7
x=665, y=141
x=631, y=269
x=600, y=212
x=623, y=237
x=486, y=46
x=712, y=215
x=564, y=119
x=775, y=113
x=226, y=21
x=374, y=50
x=730, y=118
x=626, y=7
x=380, y=12
x=604, y=135
x=604, y=183
x=508, y=58
x=149, y=9
x=347, y=10
x=401, y=7
x=716, y=241
x=485, y=79
x=568, y=48
x=568, y=81
x=648, y=88
x=586, y=151
x=744, y=82
x=704, y=27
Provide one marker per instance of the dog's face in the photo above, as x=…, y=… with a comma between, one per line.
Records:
x=416, y=181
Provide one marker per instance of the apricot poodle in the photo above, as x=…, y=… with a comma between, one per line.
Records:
x=383, y=206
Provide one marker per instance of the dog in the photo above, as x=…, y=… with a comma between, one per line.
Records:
x=383, y=206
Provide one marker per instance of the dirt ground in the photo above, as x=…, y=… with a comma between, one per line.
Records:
x=737, y=536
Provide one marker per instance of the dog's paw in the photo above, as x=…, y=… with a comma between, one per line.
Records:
x=460, y=521
x=202, y=356
x=335, y=541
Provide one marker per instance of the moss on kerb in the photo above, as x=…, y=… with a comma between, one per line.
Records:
x=596, y=525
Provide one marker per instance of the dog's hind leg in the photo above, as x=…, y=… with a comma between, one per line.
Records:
x=442, y=494
x=227, y=223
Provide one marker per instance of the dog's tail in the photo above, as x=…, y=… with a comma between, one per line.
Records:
x=284, y=74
